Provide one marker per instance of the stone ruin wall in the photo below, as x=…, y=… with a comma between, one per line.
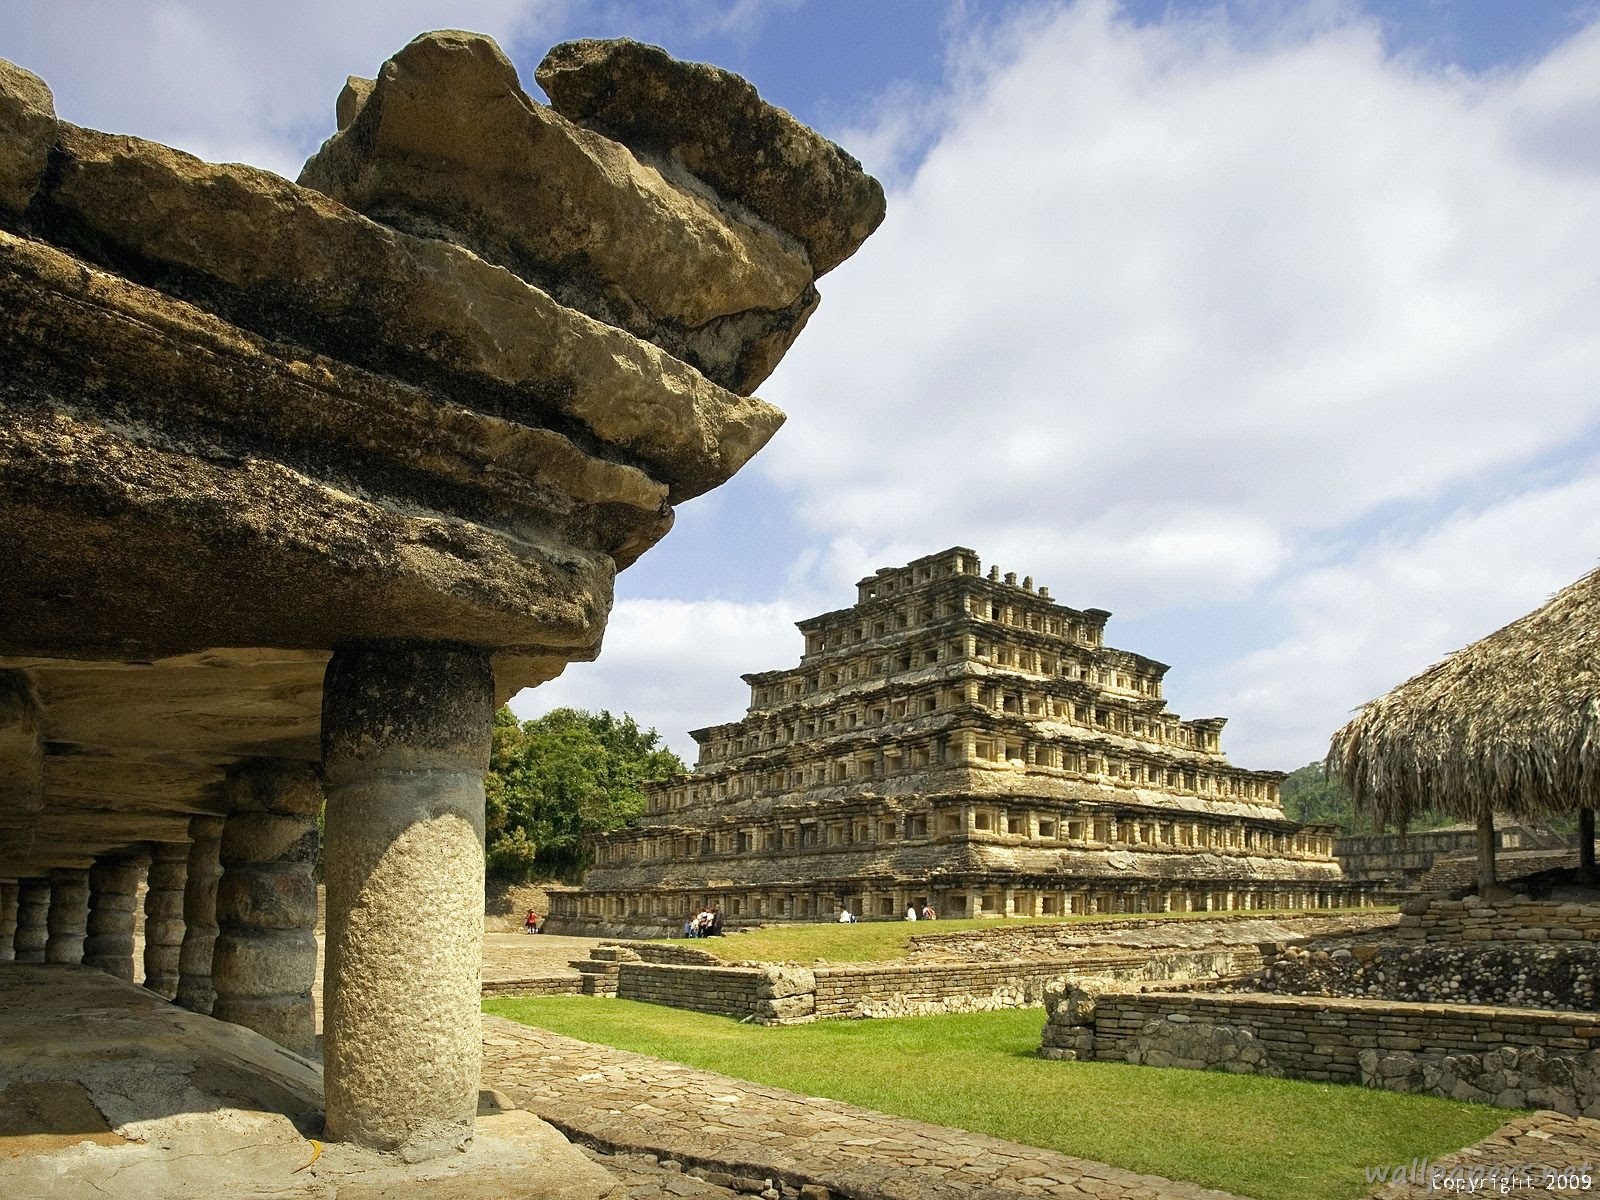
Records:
x=299, y=480
x=1510, y=1057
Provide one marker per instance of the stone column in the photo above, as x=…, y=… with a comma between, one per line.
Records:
x=200, y=915
x=265, y=958
x=113, y=896
x=69, y=915
x=8, y=920
x=33, y=910
x=163, y=916
x=405, y=744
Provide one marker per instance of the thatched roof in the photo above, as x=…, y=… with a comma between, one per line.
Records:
x=1509, y=724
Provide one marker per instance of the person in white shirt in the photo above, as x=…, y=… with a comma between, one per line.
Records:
x=846, y=917
x=911, y=912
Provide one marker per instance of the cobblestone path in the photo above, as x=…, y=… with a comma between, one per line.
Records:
x=631, y=1104
x=1543, y=1154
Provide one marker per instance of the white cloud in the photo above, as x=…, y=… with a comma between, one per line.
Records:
x=675, y=664
x=1358, y=628
x=1165, y=305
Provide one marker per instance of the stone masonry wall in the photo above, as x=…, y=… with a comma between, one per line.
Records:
x=1436, y=919
x=1050, y=939
x=1508, y=1057
x=781, y=994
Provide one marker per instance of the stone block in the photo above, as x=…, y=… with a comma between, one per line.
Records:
x=27, y=131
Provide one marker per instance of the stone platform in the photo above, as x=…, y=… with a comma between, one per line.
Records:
x=107, y=1090
x=730, y=1129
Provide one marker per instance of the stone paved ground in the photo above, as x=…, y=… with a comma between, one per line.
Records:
x=743, y=1132
x=1545, y=1154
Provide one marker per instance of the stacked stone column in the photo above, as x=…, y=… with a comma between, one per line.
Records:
x=163, y=916
x=113, y=898
x=69, y=915
x=8, y=920
x=405, y=744
x=195, y=990
x=33, y=911
x=265, y=960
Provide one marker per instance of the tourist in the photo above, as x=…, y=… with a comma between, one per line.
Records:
x=928, y=913
x=531, y=923
x=911, y=912
x=846, y=917
x=702, y=923
x=714, y=927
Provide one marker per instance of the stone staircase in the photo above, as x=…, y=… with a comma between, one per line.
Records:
x=600, y=970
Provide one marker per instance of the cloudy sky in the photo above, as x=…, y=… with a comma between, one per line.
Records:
x=1270, y=325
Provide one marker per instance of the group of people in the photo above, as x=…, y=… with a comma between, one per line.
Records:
x=705, y=923
x=927, y=913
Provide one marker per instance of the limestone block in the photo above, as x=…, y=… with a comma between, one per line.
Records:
x=448, y=145
x=288, y=261
x=27, y=130
x=719, y=128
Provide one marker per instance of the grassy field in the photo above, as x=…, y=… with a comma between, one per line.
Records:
x=882, y=941
x=1268, y=1138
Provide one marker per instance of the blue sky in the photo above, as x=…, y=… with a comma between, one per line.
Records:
x=1268, y=325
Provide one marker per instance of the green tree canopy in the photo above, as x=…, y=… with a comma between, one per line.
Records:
x=557, y=780
x=1313, y=797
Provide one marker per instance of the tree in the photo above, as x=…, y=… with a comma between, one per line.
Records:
x=558, y=780
x=1313, y=797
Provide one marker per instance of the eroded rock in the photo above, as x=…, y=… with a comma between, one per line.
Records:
x=446, y=144
x=27, y=128
x=716, y=126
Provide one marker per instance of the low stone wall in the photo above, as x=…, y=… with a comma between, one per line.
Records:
x=1436, y=919
x=768, y=995
x=1513, y=1058
x=538, y=985
x=782, y=994
x=917, y=989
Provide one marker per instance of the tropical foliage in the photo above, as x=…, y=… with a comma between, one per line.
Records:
x=557, y=780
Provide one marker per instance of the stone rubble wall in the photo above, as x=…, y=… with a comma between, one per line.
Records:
x=1437, y=919
x=540, y=985
x=1553, y=975
x=1512, y=1058
x=1047, y=940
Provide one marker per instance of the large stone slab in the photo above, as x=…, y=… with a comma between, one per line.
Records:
x=717, y=126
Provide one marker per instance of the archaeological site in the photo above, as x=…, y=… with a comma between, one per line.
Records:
x=957, y=740
x=298, y=481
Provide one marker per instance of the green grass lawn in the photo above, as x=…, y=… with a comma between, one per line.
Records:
x=882, y=941
x=1270, y=1138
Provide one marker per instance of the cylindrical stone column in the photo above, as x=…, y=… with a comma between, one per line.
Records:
x=405, y=744
x=163, y=916
x=33, y=917
x=265, y=960
x=113, y=897
x=8, y=920
x=195, y=991
x=69, y=915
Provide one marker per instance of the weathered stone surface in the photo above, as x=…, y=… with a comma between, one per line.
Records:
x=113, y=897
x=195, y=989
x=33, y=917
x=406, y=742
x=163, y=916
x=286, y=261
x=717, y=126
x=27, y=129
x=8, y=920
x=447, y=144
x=265, y=957
x=69, y=915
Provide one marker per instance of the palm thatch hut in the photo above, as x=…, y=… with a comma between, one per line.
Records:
x=1509, y=724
